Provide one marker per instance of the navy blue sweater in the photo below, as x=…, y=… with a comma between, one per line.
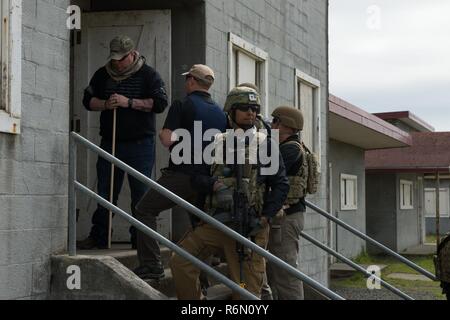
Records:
x=131, y=124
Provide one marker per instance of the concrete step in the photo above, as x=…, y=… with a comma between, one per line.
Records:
x=342, y=270
x=103, y=278
x=125, y=255
x=128, y=257
x=426, y=249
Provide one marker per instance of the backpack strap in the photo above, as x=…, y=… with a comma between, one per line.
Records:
x=298, y=144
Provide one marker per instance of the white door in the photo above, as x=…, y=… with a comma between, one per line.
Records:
x=151, y=31
x=430, y=202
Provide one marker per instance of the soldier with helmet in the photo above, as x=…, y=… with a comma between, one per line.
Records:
x=442, y=265
x=264, y=194
x=286, y=227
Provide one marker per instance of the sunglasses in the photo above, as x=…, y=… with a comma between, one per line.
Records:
x=246, y=108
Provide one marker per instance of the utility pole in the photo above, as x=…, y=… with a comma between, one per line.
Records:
x=438, y=215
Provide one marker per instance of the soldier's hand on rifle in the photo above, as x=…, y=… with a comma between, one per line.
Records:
x=218, y=185
x=257, y=224
x=224, y=197
x=263, y=221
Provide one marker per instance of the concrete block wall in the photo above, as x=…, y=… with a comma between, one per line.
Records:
x=348, y=159
x=34, y=164
x=294, y=34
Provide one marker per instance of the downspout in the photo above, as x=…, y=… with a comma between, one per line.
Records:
x=329, y=187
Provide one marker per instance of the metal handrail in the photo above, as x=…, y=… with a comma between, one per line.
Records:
x=155, y=235
x=355, y=266
x=184, y=204
x=372, y=241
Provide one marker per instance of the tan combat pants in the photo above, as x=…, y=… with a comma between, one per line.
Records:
x=284, y=243
x=207, y=240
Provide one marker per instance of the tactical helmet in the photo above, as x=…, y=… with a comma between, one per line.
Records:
x=242, y=95
x=249, y=85
x=290, y=117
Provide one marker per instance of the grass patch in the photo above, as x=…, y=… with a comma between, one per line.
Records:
x=394, y=265
x=432, y=238
x=358, y=280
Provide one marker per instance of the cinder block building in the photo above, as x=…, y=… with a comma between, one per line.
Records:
x=353, y=132
x=34, y=126
x=281, y=46
x=402, y=185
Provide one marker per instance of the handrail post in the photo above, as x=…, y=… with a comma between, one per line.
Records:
x=72, y=223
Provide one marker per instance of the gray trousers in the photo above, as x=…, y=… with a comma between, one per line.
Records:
x=151, y=205
x=284, y=243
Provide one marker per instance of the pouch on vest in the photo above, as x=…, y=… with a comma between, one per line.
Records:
x=307, y=179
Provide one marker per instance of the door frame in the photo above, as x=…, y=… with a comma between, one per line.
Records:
x=161, y=60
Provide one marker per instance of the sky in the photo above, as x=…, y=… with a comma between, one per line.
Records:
x=392, y=55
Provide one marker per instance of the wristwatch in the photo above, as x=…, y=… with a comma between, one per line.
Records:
x=130, y=103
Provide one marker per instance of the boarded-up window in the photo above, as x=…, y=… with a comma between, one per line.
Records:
x=349, y=192
x=11, y=65
x=4, y=7
x=245, y=70
x=430, y=202
x=307, y=99
x=248, y=64
x=306, y=105
x=406, y=195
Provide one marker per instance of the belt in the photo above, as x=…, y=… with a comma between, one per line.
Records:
x=290, y=210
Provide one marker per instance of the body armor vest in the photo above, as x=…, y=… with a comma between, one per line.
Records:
x=253, y=190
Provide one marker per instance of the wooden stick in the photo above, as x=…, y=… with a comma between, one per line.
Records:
x=111, y=192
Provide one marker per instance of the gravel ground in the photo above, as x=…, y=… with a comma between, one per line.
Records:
x=383, y=294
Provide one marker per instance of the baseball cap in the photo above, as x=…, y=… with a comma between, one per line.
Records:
x=120, y=46
x=202, y=72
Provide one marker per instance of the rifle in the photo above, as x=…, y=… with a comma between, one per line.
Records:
x=240, y=214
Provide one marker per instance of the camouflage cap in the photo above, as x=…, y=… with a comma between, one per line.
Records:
x=290, y=117
x=120, y=46
x=242, y=95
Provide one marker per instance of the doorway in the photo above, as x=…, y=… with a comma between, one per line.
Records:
x=151, y=31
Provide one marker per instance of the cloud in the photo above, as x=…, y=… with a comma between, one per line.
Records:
x=409, y=52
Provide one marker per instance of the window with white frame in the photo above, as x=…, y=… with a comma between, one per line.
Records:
x=307, y=99
x=248, y=64
x=406, y=195
x=11, y=66
x=430, y=203
x=349, y=192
